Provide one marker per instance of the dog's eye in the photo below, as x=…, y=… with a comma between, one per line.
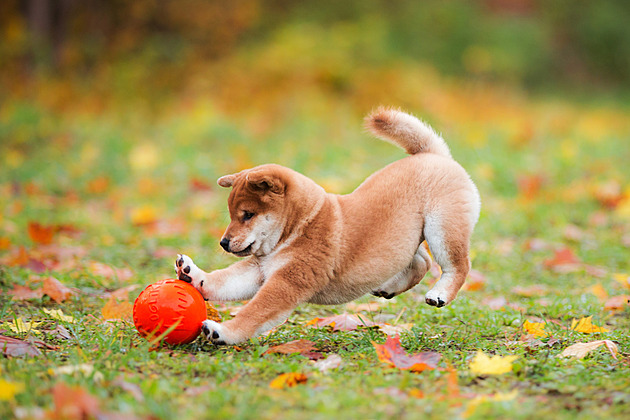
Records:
x=247, y=215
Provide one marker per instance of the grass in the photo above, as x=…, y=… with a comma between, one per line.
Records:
x=149, y=208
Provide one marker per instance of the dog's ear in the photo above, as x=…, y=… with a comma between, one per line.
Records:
x=264, y=180
x=226, y=181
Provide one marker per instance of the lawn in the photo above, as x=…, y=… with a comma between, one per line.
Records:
x=101, y=199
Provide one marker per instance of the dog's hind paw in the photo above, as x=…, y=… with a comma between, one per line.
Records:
x=383, y=294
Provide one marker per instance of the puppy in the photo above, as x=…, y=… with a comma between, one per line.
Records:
x=305, y=245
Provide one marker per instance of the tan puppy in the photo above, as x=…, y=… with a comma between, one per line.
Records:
x=306, y=245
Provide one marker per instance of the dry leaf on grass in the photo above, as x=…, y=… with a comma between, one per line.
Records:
x=585, y=325
x=40, y=234
x=25, y=293
x=343, y=322
x=616, y=303
x=288, y=380
x=333, y=361
x=580, y=350
x=15, y=347
x=115, y=309
x=563, y=261
x=74, y=403
x=495, y=365
x=393, y=354
x=535, y=328
x=212, y=313
x=296, y=346
x=475, y=281
x=56, y=290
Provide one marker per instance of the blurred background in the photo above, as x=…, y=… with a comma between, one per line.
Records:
x=121, y=113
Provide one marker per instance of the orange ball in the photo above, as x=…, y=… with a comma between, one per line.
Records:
x=166, y=303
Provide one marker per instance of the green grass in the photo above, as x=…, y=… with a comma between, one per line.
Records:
x=60, y=153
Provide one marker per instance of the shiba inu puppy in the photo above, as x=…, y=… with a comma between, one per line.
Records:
x=305, y=245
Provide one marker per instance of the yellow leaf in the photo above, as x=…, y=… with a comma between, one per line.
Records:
x=143, y=215
x=622, y=279
x=19, y=326
x=288, y=380
x=59, y=315
x=535, y=328
x=585, y=325
x=580, y=350
x=8, y=390
x=495, y=365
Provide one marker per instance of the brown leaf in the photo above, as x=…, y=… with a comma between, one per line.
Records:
x=364, y=307
x=16, y=347
x=212, y=313
x=20, y=292
x=343, y=322
x=123, y=292
x=57, y=291
x=41, y=234
x=115, y=309
x=296, y=346
x=529, y=291
x=393, y=354
x=74, y=403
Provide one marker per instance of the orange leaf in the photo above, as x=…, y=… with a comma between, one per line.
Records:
x=296, y=346
x=563, y=261
x=616, y=303
x=107, y=271
x=343, y=322
x=212, y=313
x=25, y=293
x=114, y=309
x=98, y=185
x=529, y=186
x=57, y=291
x=5, y=243
x=394, y=355
x=476, y=281
x=40, y=234
x=74, y=403
x=288, y=380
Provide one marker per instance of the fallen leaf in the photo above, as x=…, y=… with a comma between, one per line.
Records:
x=8, y=389
x=56, y=290
x=529, y=185
x=563, y=261
x=535, y=328
x=74, y=403
x=15, y=347
x=616, y=303
x=296, y=346
x=59, y=315
x=40, y=234
x=585, y=325
x=21, y=258
x=394, y=329
x=599, y=291
x=393, y=354
x=475, y=281
x=133, y=389
x=212, y=313
x=343, y=322
x=529, y=291
x=288, y=380
x=115, y=309
x=333, y=361
x=144, y=215
x=19, y=326
x=623, y=279
x=495, y=365
x=107, y=271
x=5, y=243
x=20, y=292
x=580, y=350
x=98, y=185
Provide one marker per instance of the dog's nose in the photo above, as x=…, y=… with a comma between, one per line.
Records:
x=225, y=244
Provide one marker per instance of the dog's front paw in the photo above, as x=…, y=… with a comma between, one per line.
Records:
x=212, y=331
x=189, y=272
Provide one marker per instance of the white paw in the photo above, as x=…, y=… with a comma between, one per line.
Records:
x=437, y=297
x=212, y=331
x=187, y=271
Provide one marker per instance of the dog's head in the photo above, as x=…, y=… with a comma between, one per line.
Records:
x=258, y=206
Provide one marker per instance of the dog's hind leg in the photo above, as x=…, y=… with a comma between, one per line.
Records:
x=448, y=240
x=407, y=278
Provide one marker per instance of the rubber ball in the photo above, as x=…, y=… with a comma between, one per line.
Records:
x=169, y=303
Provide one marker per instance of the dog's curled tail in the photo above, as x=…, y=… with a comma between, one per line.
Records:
x=405, y=131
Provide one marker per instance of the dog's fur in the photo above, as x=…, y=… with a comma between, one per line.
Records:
x=306, y=245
